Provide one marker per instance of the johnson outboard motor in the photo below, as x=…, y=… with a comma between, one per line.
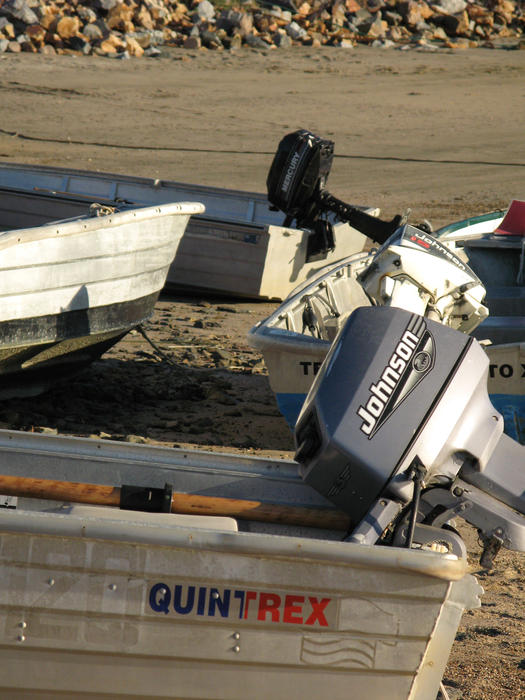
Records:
x=413, y=270
x=398, y=431
x=296, y=182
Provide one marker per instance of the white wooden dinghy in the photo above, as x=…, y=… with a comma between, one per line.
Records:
x=108, y=603
x=71, y=288
x=239, y=247
x=293, y=353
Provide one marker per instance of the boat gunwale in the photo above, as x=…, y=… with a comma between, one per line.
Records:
x=435, y=565
x=87, y=224
x=153, y=183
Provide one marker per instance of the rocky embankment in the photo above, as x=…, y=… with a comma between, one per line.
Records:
x=146, y=27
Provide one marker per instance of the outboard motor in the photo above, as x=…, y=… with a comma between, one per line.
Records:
x=413, y=270
x=295, y=185
x=398, y=431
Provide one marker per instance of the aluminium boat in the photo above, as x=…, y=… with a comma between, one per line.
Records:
x=118, y=603
x=71, y=288
x=239, y=247
x=296, y=337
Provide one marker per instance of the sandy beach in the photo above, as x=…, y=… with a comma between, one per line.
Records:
x=440, y=133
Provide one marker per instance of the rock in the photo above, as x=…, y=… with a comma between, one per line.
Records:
x=281, y=39
x=414, y=13
x=19, y=9
x=194, y=42
x=210, y=40
x=112, y=44
x=80, y=43
x=36, y=34
x=144, y=19
x=106, y=5
x=205, y=10
x=374, y=29
x=44, y=430
x=123, y=28
x=246, y=24
x=7, y=28
x=295, y=31
x=120, y=17
x=86, y=14
x=383, y=44
x=451, y=7
x=92, y=32
x=136, y=439
x=229, y=20
x=256, y=42
x=152, y=52
x=454, y=25
x=235, y=41
x=68, y=27
x=133, y=47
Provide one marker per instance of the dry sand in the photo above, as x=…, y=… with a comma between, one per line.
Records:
x=441, y=133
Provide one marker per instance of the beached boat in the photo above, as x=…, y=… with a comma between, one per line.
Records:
x=70, y=289
x=293, y=351
x=113, y=603
x=493, y=246
x=238, y=247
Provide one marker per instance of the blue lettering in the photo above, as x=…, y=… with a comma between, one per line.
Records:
x=240, y=595
x=177, y=605
x=217, y=601
x=159, y=598
x=202, y=601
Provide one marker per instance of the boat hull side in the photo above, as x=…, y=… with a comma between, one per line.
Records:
x=292, y=364
x=37, y=352
x=219, y=614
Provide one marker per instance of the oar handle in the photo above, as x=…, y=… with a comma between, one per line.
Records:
x=187, y=503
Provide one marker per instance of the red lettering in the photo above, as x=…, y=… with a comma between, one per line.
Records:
x=317, y=612
x=418, y=240
x=269, y=603
x=250, y=595
x=293, y=611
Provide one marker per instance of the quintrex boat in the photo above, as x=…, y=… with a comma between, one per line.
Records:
x=466, y=275
x=239, y=247
x=72, y=288
x=363, y=588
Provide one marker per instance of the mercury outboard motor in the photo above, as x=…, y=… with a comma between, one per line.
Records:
x=398, y=431
x=295, y=184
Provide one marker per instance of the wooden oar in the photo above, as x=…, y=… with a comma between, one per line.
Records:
x=187, y=503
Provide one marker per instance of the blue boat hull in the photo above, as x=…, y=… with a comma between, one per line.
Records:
x=511, y=407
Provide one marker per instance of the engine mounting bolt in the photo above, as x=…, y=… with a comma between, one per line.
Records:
x=458, y=491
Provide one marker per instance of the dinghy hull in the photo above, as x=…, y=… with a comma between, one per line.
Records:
x=105, y=602
x=71, y=289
